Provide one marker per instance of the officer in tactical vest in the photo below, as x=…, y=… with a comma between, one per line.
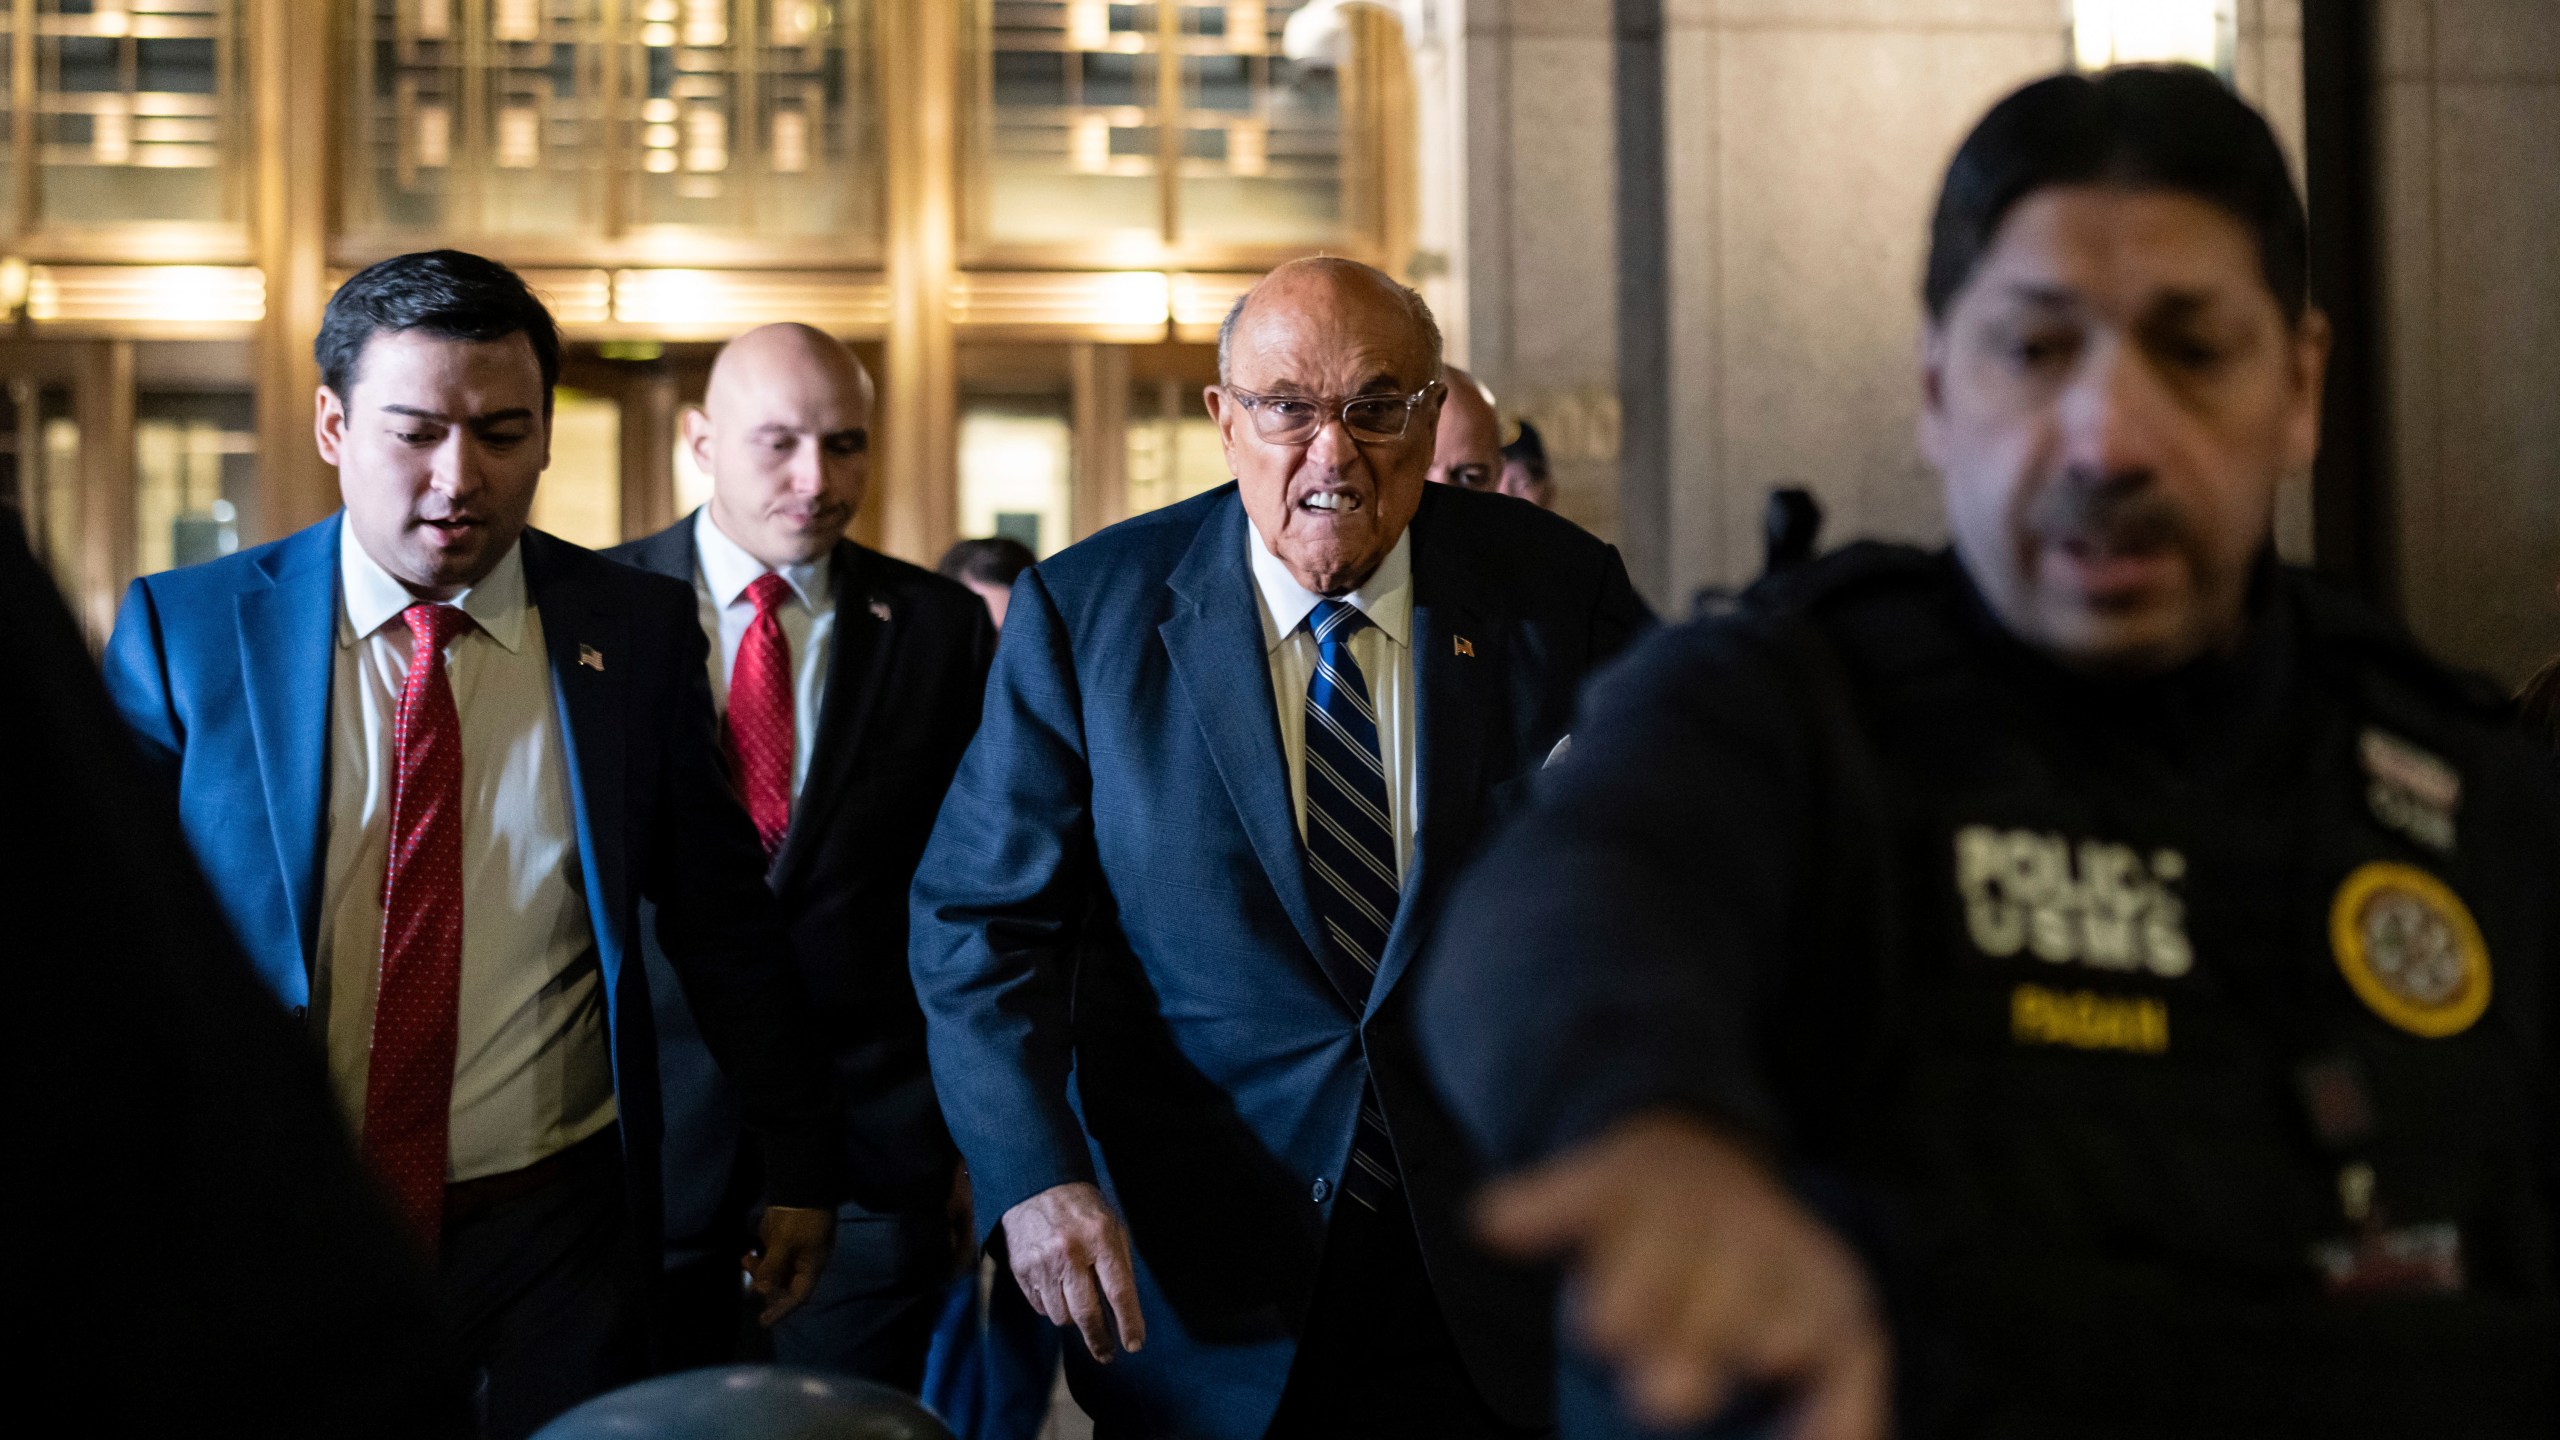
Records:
x=2089, y=982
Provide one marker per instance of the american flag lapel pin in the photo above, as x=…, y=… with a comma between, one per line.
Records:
x=592, y=658
x=879, y=609
x=1461, y=645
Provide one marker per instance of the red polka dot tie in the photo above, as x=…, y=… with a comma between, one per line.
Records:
x=408, y=1096
x=761, y=728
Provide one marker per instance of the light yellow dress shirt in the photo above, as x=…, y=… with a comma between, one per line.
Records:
x=532, y=1072
x=1384, y=652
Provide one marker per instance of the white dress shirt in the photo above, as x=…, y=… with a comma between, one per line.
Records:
x=532, y=1073
x=1384, y=652
x=720, y=579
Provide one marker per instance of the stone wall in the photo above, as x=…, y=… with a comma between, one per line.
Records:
x=2467, y=117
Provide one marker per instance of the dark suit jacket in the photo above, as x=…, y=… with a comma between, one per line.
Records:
x=1118, y=957
x=185, y=1233
x=223, y=670
x=904, y=683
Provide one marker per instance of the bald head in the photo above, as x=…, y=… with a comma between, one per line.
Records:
x=1467, y=449
x=1328, y=282
x=784, y=432
x=1330, y=489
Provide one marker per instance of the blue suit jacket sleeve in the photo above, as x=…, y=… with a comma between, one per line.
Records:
x=136, y=671
x=998, y=903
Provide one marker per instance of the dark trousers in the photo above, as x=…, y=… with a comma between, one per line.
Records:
x=873, y=1312
x=871, y=1316
x=1377, y=1359
x=544, y=1296
x=994, y=1363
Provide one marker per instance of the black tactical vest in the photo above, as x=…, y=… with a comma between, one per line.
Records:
x=2178, y=1049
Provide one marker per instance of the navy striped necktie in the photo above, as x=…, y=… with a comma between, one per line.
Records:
x=1351, y=854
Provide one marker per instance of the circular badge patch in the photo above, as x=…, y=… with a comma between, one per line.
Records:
x=2410, y=949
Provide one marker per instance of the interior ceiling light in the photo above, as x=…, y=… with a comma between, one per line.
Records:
x=2140, y=32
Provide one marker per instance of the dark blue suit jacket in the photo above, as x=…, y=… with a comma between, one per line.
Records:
x=223, y=672
x=1117, y=955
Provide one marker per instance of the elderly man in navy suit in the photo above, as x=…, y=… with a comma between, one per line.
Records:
x=431, y=761
x=1232, y=756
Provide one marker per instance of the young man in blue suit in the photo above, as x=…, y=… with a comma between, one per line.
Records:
x=439, y=865
x=1232, y=756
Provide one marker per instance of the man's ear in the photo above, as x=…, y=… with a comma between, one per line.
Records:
x=328, y=424
x=1933, y=392
x=1226, y=415
x=695, y=422
x=2311, y=342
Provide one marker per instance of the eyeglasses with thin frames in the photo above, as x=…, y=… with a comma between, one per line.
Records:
x=1295, y=419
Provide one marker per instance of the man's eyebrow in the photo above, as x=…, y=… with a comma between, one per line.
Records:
x=502, y=417
x=2044, y=297
x=2182, y=304
x=414, y=413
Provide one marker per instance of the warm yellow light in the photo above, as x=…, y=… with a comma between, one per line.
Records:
x=659, y=137
x=519, y=135
x=789, y=153
x=1133, y=297
x=659, y=111
x=658, y=35
x=1248, y=148
x=2135, y=32
x=1088, y=25
x=164, y=294
x=1089, y=145
x=434, y=136
x=517, y=21
x=668, y=297
x=1248, y=31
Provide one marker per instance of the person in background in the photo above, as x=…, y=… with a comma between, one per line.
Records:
x=1234, y=752
x=1466, y=446
x=848, y=684
x=988, y=567
x=431, y=762
x=1524, y=469
x=2092, y=981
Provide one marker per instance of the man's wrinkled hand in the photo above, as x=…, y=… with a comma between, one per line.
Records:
x=792, y=1251
x=1694, y=1273
x=1071, y=1258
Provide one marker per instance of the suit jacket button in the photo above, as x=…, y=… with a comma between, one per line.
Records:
x=1323, y=1188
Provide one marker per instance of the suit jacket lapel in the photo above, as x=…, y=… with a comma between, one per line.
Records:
x=866, y=632
x=582, y=639
x=1460, y=649
x=1215, y=640
x=282, y=628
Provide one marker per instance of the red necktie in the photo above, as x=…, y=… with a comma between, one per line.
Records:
x=761, y=729
x=408, y=1094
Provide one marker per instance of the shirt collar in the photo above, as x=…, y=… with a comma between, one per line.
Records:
x=1386, y=597
x=728, y=569
x=373, y=599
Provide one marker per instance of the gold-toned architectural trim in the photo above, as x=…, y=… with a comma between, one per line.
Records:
x=716, y=304
x=1126, y=305
x=1201, y=303
x=179, y=299
x=915, y=509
